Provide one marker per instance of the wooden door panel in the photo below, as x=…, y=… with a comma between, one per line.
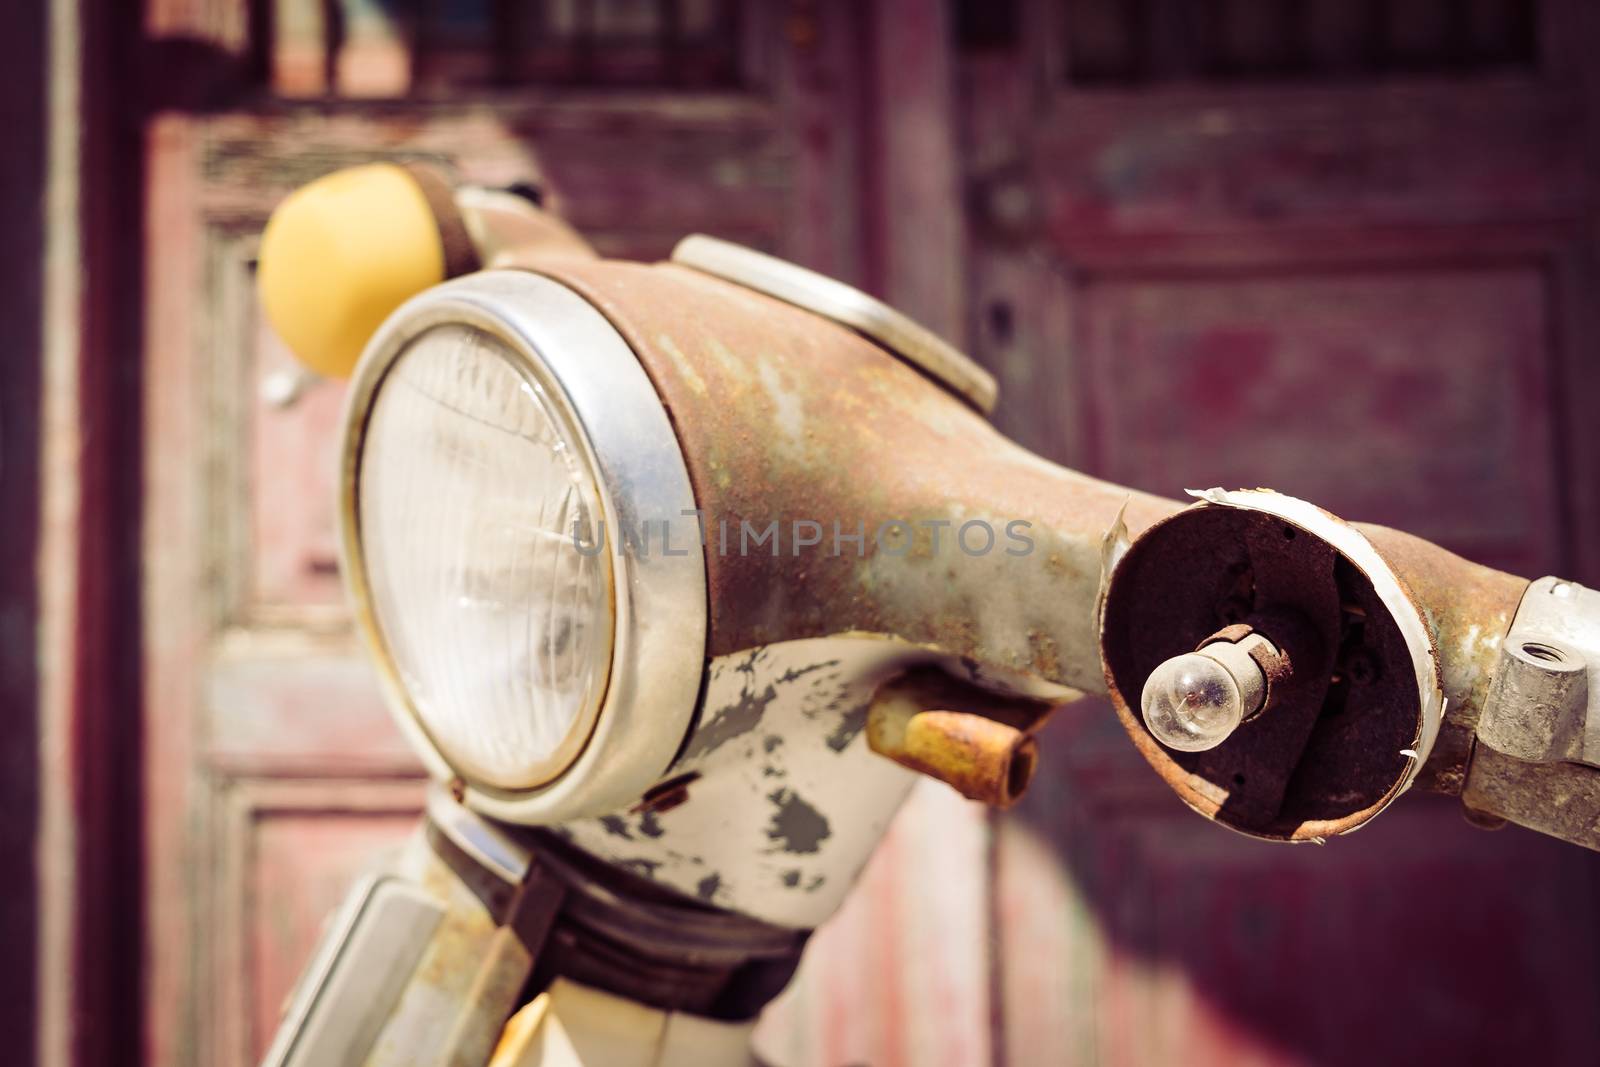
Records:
x=271, y=450
x=1293, y=163
x=291, y=706
x=293, y=460
x=1418, y=399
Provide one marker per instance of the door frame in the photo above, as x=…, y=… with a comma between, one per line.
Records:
x=86, y=1007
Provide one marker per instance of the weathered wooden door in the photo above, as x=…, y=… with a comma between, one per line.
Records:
x=1345, y=251
x=273, y=773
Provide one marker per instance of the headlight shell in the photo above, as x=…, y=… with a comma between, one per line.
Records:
x=549, y=683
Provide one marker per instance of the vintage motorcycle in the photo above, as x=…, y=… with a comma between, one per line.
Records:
x=675, y=573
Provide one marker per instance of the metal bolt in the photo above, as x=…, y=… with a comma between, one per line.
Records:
x=285, y=388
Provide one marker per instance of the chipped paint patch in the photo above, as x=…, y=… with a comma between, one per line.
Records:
x=731, y=721
x=796, y=826
x=706, y=888
x=757, y=747
x=642, y=867
x=851, y=723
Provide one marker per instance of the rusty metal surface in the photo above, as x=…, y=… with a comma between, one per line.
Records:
x=1559, y=799
x=981, y=759
x=468, y=979
x=1538, y=705
x=508, y=230
x=1242, y=650
x=1542, y=704
x=846, y=305
x=1468, y=609
x=784, y=416
x=1535, y=760
x=978, y=744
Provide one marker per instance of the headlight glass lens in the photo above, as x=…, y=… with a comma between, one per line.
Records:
x=468, y=492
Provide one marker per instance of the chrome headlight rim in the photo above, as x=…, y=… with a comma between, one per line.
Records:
x=596, y=386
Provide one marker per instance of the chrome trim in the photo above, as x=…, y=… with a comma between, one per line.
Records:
x=846, y=305
x=658, y=649
x=487, y=843
x=357, y=974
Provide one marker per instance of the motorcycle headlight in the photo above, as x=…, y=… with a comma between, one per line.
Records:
x=500, y=436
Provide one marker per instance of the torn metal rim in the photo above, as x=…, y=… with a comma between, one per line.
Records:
x=1389, y=592
x=1354, y=546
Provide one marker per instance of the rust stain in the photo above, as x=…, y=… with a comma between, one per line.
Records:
x=975, y=741
x=1468, y=609
x=665, y=796
x=786, y=416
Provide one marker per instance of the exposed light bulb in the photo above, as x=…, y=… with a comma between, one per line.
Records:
x=1192, y=703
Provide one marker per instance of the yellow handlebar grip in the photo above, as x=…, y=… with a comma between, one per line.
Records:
x=342, y=253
